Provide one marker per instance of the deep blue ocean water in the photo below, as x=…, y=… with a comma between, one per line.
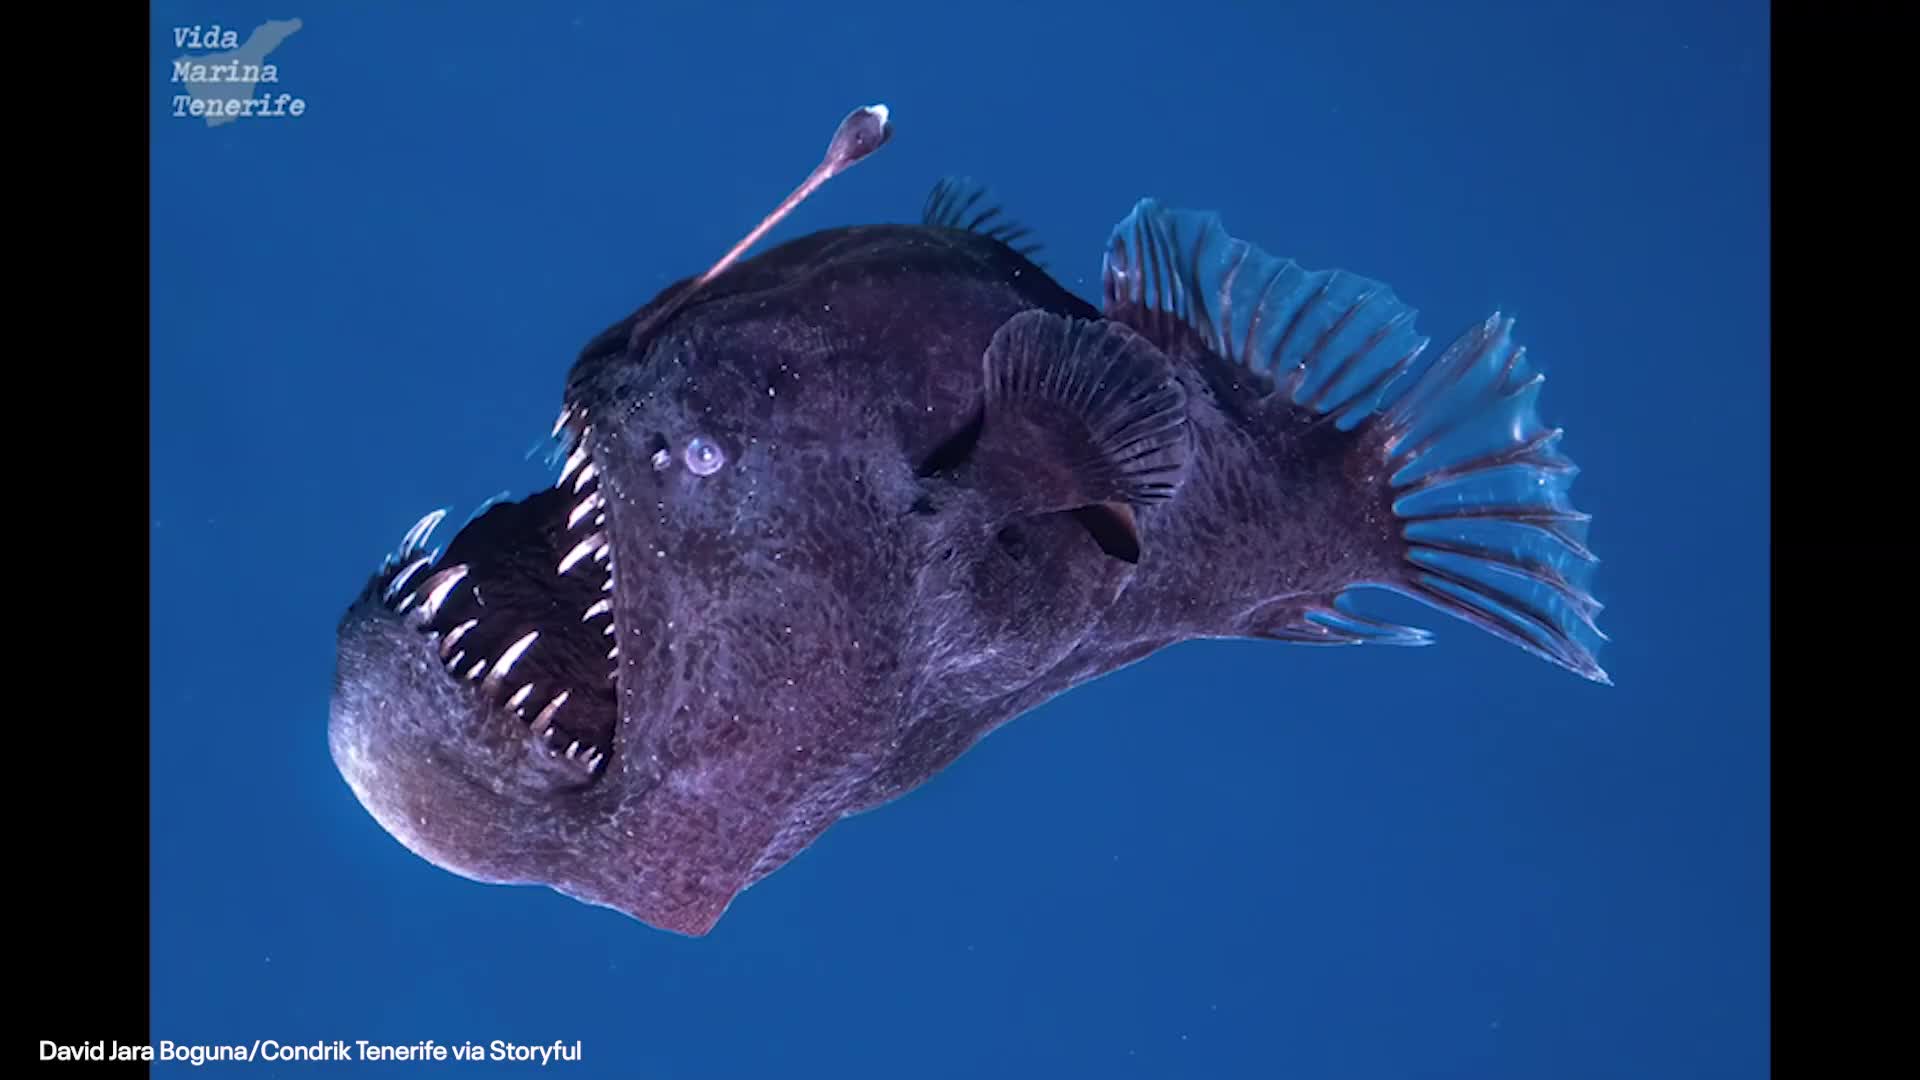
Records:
x=1237, y=859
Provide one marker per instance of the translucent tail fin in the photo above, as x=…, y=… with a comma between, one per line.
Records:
x=1482, y=489
x=1486, y=531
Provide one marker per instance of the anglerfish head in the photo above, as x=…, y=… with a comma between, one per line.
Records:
x=817, y=522
x=654, y=681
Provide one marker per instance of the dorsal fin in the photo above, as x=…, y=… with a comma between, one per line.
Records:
x=959, y=202
x=1331, y=341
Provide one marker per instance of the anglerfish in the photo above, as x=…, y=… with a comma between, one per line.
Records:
x=827, y=515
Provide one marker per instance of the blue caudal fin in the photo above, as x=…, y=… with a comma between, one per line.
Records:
x=1487, y=531
x=1483, y=489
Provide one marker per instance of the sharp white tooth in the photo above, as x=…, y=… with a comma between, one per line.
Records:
x=479, y=666
x=579, y=552
x=417, y=535
x=456, y=634
x=586, y=474
x=607, y=585
x=587, y=506
x=513, y=653
x=583, y=549
x=454, y=663
x=544, y=722
x=400, y=579
x=519, y=697
x=613, y=653
x=574, y=461
x=572, y=749
x=609, y=630
x=602, y=554
x=565, y=415
x=600, y=607
x=437, y=587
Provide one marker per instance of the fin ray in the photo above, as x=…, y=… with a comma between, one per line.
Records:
x=1333, y=622
x=955, y=203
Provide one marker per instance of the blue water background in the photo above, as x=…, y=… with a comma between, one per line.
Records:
x=1237, y=859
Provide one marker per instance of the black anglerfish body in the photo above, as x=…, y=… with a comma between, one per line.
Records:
x=831, y=516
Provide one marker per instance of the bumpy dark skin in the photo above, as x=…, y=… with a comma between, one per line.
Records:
x=823, y=622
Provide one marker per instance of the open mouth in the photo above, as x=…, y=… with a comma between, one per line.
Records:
x=520, y=609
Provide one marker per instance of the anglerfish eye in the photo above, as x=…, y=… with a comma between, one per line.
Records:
x=704, y=456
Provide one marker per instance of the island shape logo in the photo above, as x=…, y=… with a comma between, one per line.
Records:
x=217, y=80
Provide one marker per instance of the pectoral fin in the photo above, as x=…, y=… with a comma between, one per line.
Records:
x=1079, y=413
